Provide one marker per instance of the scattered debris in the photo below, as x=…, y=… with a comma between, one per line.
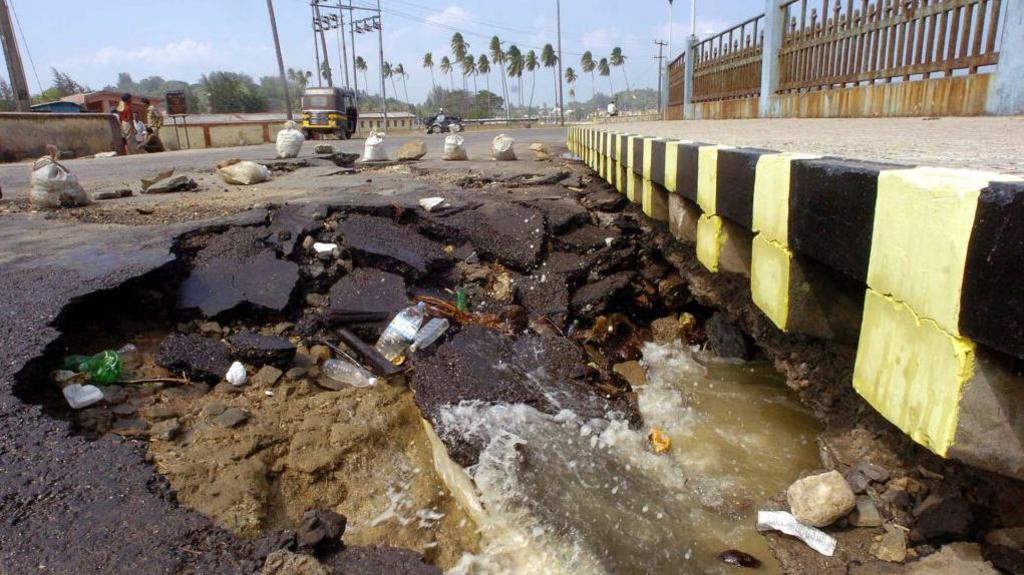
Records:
x=725, y=339
x=866, y=514
x=739, y=559
x=320, y=531
x=782, y=521
x=820, y=500
x=326, y=250
x=231, y=417
x=105, y=155
x=242, y=172
x=80, y=396
x=401, y=332
x=660, y=441
x=159, y=176
x=258, y=349
x=891, y=546
x=180, y=183
x=198, y=357
x=348, y=373
x=429, y=333
x=236, y=374
x=112, y=194
x=323, y=149
x=429, y=204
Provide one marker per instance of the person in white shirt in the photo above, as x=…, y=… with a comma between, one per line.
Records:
x=613, y=110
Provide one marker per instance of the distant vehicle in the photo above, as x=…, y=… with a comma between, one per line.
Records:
x=441, y=123
x=329, y=111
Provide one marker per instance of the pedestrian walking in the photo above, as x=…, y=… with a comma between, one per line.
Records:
x=127, y=119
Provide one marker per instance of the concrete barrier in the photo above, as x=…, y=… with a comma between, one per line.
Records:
x=24, y=136
x=920, y=267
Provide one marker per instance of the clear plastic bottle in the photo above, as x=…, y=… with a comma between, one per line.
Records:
x=429, y=333
x=344, y=371
x=401, y=332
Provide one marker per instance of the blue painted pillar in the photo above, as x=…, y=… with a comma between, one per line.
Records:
x=1006, y=93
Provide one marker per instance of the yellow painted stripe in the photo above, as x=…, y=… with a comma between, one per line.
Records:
x=648, y=157
x=770, y=265
x=912, y=371
x=707, y=178
x=923, y=223
x=672, y=163
x=709, y=241
x=771, y=196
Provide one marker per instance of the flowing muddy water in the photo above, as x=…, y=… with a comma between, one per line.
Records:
x=565, y=495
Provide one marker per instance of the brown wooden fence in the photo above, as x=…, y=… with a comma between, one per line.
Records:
x=849, y=43
x=677, y=81
x=728, y=65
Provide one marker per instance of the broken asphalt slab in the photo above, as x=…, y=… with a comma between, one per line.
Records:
x=372, y=239
x=510, y=234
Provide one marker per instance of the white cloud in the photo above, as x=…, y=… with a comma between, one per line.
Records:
x=171, y=53
x=451, y=16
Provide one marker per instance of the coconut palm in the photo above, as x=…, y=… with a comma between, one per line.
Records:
x=515, y=68
x=483, y=67
x=587, y=64
x=550, y=60
x=400, y=72
x=531, y=65
x=604, y=70
x=446, y=68
x=361, y=66
x=469, y=69
x=618, y=60
x=428, y=62
x=498, y=56
x=570, y=78
x=388, y=72
x=459, y=50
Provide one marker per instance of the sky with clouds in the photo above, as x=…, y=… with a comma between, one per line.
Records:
x=186, y=38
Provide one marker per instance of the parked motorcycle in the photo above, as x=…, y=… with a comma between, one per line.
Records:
x=442, y=123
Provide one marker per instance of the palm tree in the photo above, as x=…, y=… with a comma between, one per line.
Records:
x=617, y=60
x=531, y=65
x=361, y=66
x=516, y=63
x=388, y=72
x=604, y=70
x=400, y=72
x=570, y=78
x=459, y=49
x=498, y=56
x=550, y=60
x=469, y=69
x=483, y=66
x=428, y=62
x=446, y=68
x=587, y=64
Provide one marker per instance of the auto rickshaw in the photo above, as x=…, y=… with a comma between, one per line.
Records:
x=329, y=111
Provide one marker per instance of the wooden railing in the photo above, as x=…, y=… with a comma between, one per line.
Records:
x=728, y=65
x=849, y=43
x=677, y=81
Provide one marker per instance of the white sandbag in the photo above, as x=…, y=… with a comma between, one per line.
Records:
x=502, y=148
x=243, y=173
x=289, y=141
x=54, y=186
x=454, y=148
x=373, y=150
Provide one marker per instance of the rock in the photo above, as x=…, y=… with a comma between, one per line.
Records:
x=282, y=327
x=953, y=559
x=257, y=349
x=540, y=151
x=588, y=238
x=330, y=384
x=873, y=472
x=161, y=411
x=111, y=194
x=225, y=388
x=606, y=201
x=688, y=325
x=594, y=298
x=199, y=357
x=161, y=175
x=858, y=481
x=891, y=546
x=320, y=531
x=180, y=183
x=632, y=372
x=666, y=329
x=819, y=500
x=214, y=409
x=238, y=268
x=114, y=394
x=323, y=149
x=674, y=292
x=943, y=518
x=295, y=373
x=725, y=339
x=317, y=299
x=411, y=151
x=231, y=417
x=129, y=427
x=124, y=409
x=283, y=562
x=866, y=514
x=267, y=376
x=307, y=244
x=165, y=430
x=209, y=328
x=739, y=559
x=1005, y=549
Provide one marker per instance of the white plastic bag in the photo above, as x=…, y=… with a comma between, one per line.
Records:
x=289, y=141
x=54, y=186
x=454, y=148
x=243, y=173
x=374, y=150
x=501, y=148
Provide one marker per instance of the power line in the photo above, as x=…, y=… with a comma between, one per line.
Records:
x=24, y=40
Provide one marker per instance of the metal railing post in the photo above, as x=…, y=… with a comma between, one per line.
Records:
x=688, y=77
x=774, y=29
x=1006, y=92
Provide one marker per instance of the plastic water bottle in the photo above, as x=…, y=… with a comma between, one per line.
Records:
x=429, y=333
x=401, y=332
x=344, y=371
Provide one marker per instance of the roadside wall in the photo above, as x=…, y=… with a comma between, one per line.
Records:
x=949, y=96
x=918, y=267
x=24, y=136
x=250, y=133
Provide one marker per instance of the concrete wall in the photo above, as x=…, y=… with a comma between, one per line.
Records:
x=950, y=96
x=227, y=134
x=919, y=267
x=25, y=135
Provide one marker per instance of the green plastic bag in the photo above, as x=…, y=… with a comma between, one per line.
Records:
x=103, y=368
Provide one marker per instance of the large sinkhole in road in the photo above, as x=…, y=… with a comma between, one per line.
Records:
x=518, y=445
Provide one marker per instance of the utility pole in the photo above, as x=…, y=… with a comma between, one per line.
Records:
x=316, y=48
x=670, y=30
x=280, y=59
x=340, y=27
x=380, y=47
x=661, y=45
x=558, y=20
x=15, y=69
x=352, y=37
x=319, y=26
